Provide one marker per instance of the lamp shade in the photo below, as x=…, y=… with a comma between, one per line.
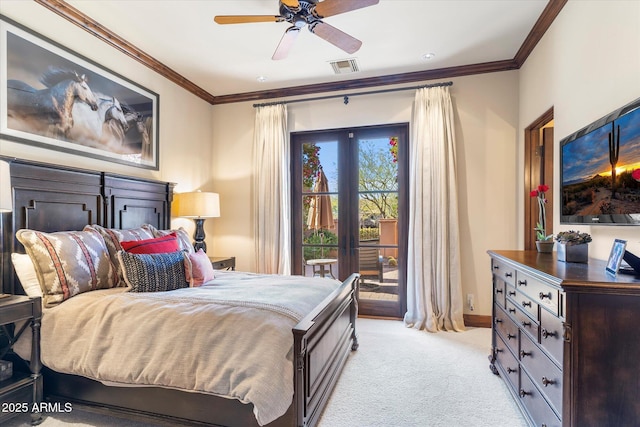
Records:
x=197, y=204
x=6, y=204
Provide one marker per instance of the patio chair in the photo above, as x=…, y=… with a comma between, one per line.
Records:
x=370, y=264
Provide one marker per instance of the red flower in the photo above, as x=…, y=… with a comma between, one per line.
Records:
x=541, y=225
x=394, y=148
x=636, y=174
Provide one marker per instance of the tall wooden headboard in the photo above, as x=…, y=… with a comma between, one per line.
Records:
x=58, y=198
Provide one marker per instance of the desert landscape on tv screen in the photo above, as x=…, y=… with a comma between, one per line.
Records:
x=599, y=178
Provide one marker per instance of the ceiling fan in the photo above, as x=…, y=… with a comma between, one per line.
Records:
x=310, y=13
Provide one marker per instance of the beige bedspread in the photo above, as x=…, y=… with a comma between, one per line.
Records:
x=230, y=338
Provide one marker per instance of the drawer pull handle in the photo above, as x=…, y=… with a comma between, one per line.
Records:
x=508, y=274
x=526, y=303
x=542, y=295
x=547, y=334
x=512, y=293
x=496, y=267
x=498, y=320
x=524, y=353
x=512, y=310
x=524, y=393
x=498, y=291
x=511, y=337
x=546, y=381
x=511, y=371
x=522, y=282
x=526, y=324
x=498, y=350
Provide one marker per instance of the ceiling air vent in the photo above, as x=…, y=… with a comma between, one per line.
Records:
x=345, y=66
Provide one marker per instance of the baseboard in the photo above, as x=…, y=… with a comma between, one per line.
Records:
x=477, y=321
x=471, y=320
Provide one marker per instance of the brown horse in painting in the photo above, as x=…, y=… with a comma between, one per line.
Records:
x=51, y=107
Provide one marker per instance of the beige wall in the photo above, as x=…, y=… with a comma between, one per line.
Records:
x=185, y=120
x=586, y=66
x=486, y=122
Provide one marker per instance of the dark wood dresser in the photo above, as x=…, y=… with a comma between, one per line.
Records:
x=566, y=339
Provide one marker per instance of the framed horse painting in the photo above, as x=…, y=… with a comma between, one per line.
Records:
x=55, y=98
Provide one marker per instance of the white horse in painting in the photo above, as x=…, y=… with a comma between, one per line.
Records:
x=48, y=111
x=100, y=128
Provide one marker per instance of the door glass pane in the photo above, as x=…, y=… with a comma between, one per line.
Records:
x=320, y=208
x=378, y=218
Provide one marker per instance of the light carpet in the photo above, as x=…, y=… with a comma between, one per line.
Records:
x=398, y=377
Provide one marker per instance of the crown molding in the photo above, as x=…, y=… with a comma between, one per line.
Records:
x=93, y=27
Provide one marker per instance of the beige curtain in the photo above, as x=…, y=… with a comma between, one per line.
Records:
x=434, y=290
x=271, y=191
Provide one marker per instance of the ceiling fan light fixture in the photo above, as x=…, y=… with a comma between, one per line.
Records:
x=345, y=66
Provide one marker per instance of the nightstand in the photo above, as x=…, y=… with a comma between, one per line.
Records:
x=23, y=390
x=223, y=263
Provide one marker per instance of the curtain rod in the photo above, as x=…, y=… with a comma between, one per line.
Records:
x=346, y=97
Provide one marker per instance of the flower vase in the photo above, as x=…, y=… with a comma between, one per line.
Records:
x=545, y=246
x=573, y=253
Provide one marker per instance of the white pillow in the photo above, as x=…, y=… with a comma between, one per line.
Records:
x=27, y=274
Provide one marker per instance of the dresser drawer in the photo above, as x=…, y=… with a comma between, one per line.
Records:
x=544, y=373
x=507, y=329
x=551, y=335
x=504, y=271
x=509, y=364
x=537, y=407
x=523, y=320
x=499, y=290
x=526, y=304
x=540, y=292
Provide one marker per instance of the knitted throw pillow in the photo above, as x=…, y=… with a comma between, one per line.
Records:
x=153, y=272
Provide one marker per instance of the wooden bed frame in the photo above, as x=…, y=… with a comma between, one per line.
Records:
x=56, y=198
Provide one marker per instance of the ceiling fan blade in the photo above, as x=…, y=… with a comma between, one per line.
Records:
x=291, y=4
x=336, y=37
x=243, y=19
x=334, y=7
x=286, y=42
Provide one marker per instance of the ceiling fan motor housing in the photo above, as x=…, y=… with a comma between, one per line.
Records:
x=302, y=15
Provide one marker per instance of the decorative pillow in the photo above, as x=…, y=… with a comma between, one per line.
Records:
x=198, y=268
x=68, y=263
x=153, y=272
x=157, y=245
x=26, y=272
x=183, y=237
x=113, y=237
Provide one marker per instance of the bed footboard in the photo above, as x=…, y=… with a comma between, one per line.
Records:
x=322, y=342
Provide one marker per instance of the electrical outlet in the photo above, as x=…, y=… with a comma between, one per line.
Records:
x=470, y=302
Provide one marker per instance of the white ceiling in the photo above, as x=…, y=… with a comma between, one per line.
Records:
x=395, y=34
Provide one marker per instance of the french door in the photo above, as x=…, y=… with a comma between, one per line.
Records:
x=350, y=210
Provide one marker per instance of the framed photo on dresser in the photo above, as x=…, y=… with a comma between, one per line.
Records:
x=615, y=257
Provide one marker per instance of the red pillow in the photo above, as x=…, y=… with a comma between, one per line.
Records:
x=158, y=245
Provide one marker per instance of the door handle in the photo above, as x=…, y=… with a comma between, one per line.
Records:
x=353, y=247
x=343, y=247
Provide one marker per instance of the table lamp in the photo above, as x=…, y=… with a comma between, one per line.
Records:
x=198, y=205
x=6, y=205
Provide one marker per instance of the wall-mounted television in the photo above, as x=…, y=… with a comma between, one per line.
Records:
x=600, y=170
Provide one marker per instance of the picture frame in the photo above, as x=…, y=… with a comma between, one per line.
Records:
x=615, y=257
x=55, y=98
